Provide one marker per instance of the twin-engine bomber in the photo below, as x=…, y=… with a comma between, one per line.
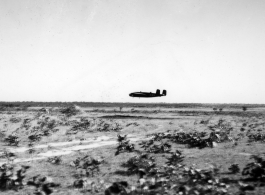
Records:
x=148, y=95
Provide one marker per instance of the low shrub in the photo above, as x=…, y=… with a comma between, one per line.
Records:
x=86, y=166
x=140, y=164
x=124, y=145
x=55, y=160
x=11, y=177
x=255, y=137
x=12, y=140
x=43, y=185
x=175, y=158
x=234, y=168
x=255, y=170
x=70, y=111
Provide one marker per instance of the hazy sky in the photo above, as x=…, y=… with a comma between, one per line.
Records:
x=203, y=51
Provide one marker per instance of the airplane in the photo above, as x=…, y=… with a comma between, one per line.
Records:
x=148, y=95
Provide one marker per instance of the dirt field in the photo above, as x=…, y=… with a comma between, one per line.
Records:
x=78, y=151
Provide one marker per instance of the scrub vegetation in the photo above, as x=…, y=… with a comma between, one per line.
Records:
x=134, y=149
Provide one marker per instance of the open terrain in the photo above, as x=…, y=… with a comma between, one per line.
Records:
x=132, y=149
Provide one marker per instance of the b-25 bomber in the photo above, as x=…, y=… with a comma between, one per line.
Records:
x=148, y=94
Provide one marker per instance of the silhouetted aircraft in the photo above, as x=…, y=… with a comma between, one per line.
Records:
x=148, y=95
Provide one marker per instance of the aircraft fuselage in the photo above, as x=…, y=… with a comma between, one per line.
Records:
x=147, y=95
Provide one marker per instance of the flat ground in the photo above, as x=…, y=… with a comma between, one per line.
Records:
x=39, y=136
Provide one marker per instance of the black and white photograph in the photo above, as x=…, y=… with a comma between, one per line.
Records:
x=132, y=97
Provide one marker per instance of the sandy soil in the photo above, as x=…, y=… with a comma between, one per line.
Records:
x=76, y=146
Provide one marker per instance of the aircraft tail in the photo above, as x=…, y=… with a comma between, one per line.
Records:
x=157, y=92
x=164, y=92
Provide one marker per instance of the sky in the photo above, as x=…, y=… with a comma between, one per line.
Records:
x=200, y=51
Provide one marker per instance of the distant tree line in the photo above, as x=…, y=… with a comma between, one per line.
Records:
x=122, y=104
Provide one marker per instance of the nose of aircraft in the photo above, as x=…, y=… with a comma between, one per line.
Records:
x=130, y=95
